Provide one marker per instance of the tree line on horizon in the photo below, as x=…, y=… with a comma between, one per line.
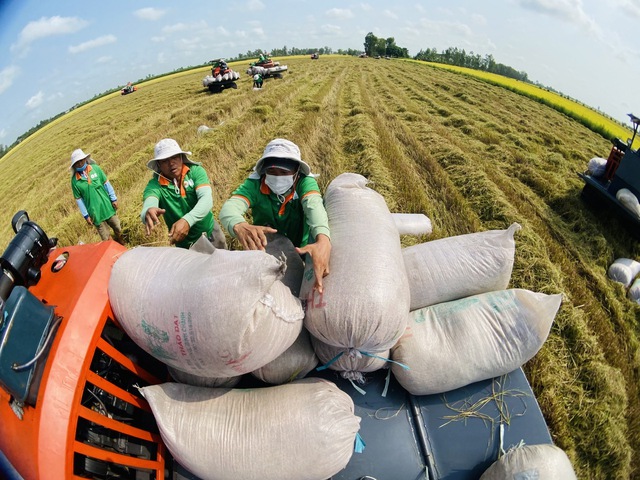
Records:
x=373, y=46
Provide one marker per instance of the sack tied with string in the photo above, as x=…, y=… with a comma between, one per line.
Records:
x=366, y=296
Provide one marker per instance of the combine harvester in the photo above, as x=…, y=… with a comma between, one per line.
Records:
x=70, y=405
x=266, y=67
x=615, y=182
x=221, y=77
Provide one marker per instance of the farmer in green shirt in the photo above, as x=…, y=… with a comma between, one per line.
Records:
x=285, y=198
x=94, y=195
x=180, y=190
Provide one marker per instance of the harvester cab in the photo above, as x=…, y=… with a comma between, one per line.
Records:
x=618, y=184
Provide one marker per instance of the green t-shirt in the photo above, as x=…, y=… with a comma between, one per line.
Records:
x=179, y=202
x=90, y=188
x=267, y=210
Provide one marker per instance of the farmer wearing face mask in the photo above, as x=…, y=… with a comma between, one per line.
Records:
x=180, y=191
x=285, y=198
x=94, y=195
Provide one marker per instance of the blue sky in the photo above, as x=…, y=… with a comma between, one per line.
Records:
x=57, y=53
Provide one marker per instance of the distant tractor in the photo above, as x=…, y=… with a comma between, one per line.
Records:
x=315, y=56
x=221, y=77
x=129, y=88
x=619, y=186
x=266, y=67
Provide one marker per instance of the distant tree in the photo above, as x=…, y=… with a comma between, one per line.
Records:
x=370, y=42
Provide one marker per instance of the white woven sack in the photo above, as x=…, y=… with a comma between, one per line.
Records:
x=623, y=270
x=295, y=363
x=456, y=267
x=634, y=291
x=214, y=315
x=597, y=166
x=416, y=224
x=453, y=344
x=629, y=201
x=198, y=381
x=351, y=363
x=532, y=462
x=303, y=430
x=366, y=296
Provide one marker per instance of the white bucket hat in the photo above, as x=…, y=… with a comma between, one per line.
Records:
x=78, y=155
x=166, y=148
x=281, y=148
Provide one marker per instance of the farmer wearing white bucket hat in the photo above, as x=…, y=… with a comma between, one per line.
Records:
x=180, y=191
x=284, y=197
x=94, y=195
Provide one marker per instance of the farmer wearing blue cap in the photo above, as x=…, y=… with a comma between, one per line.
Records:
x=284, y=198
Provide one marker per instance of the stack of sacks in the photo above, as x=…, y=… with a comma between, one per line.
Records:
x=453, y=344
x=464, y=326
x=531, y=462
x=365, y=303
x=212, y=315
x=302, y=430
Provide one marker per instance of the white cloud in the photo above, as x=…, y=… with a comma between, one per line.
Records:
x=35, y=101
x=157, y=39
x=181, y=27
x=150, y=13
x=104, y=59
x=46, y=27
x=445, y=28
x=255, y=5
x=332, y=29
x=568, y=10
x=3, y=133
x=339, y=13
x=390, y=14
x=632, y=7
x=96, y=42
x=365, y=6
x=7, y=75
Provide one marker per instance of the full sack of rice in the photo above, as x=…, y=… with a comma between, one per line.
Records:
x=366, y=297
x=456, y=267
x=531, y=462
x=213, y=315
x=294, y=363
x=453, y=344
x=303, y=430
x=623, y=270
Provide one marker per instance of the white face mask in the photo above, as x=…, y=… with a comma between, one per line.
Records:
x=279, y=184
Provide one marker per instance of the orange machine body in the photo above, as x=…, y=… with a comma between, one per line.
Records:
x=43, y=444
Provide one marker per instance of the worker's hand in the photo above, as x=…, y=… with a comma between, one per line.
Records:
x=179, y=231
x=252, y=237
x=152, y=218
x=89, y=221
x=115, y=204
x=320, y=251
